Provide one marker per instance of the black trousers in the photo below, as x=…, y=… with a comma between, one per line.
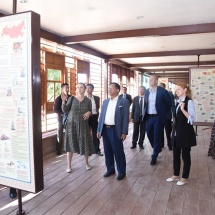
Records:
x=93, y=124
x=139, y=132
x=59, y=142
x=168, y=129
x=177, y=161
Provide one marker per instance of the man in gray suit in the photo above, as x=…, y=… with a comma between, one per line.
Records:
x=137, y=117
x=113, y=126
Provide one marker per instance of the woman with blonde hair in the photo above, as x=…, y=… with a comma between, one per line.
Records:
x=77, y=137
x=183, y=134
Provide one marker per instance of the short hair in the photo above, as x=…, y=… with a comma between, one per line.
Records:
x=125, y=88
x=164, y=85
x=154, y=76
x=116, y=85
x=82, y=84
x=64, y=84
x=90, y=85
x=142, y=87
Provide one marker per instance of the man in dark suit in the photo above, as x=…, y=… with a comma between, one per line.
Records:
x=158, y=105
x=125, y=95
x=137, y=117
x=93, y=120
x=113, y=126
x=168, y=124
x=59, y=112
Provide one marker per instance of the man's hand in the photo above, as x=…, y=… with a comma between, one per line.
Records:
x=132, y=120
x=123, y=137
x=98, y=135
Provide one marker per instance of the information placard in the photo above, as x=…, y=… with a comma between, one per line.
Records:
x=202, y=82
x=19, y=67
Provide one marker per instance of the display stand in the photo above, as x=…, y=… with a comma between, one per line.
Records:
x=20, y=104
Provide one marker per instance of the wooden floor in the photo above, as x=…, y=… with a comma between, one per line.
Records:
x=143, y=191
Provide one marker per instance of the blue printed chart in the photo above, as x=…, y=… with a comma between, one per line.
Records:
x=202, y=82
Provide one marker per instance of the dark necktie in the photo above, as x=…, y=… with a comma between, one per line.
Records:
x=141, y=106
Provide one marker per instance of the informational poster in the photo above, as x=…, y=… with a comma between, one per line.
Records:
x=164, y=80
x=202, y=82
x=17, y=167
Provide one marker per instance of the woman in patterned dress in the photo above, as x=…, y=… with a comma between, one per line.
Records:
x=211, y=151
x=77, y=137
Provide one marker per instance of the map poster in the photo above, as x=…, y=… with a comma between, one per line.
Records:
x=20, y=150
x=202, y=83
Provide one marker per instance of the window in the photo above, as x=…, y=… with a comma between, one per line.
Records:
x=53, y=84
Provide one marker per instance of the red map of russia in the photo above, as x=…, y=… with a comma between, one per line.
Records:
x=14, y=31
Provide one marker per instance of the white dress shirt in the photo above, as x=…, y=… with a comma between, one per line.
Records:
x=190, y=110
x=93, y=104
x=110, y=113
x=152, y=102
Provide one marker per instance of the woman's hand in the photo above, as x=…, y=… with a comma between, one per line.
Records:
x=86, y=115
x=182, y=106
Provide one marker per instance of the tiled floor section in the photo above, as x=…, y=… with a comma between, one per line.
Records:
x=143, y=191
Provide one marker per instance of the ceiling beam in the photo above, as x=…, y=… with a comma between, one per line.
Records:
x=164, y=53
x=162, y=31
x=165, y=69
x=173, y=64
x=172, y=74
x=50, y=36
x=86, y=49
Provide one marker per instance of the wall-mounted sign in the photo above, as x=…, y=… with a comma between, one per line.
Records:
x=202, y=83
x=20, y=136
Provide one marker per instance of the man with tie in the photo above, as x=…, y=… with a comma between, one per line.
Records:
x=137, y=117
x=93, y=120
x=113, y=126
x=158, y=105
x=125, y=95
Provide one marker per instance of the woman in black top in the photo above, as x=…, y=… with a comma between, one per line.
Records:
x=183, y=134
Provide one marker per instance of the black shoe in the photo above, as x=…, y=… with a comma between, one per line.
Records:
x=141, y=147
x=107, y=174
x=133, y=147
x=120, y=176
x=59, y=153
x=153, y=162
x=12, y=193
x=99, y=153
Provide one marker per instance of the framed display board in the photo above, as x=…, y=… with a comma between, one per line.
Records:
x=21, y=160
x=202, y=83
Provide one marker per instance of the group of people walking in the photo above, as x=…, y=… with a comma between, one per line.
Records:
x=152, y=111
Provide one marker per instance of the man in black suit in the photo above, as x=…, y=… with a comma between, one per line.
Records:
x=93, y=120
x=125, y=95
x=168, y=124
x=59, y=112
x=137, y=117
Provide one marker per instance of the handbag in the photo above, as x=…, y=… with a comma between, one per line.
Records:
x=66, y=114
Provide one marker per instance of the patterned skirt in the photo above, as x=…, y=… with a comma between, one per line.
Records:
x=211, y=151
